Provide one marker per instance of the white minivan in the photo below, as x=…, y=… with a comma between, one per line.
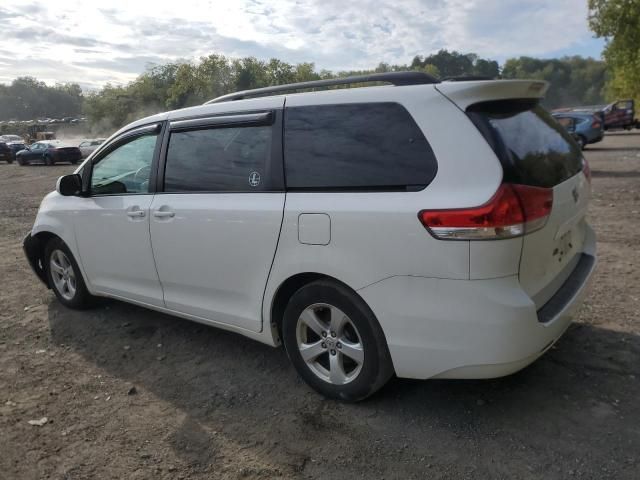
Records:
x=420, y=228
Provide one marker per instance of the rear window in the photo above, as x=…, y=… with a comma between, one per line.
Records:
x=350, y=147
x=534, y=149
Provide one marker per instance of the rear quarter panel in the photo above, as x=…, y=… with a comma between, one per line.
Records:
x=377, y=235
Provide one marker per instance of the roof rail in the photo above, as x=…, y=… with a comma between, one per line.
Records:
x=394, y=78
x=467, y=78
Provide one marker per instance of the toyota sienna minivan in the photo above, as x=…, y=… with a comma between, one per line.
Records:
x=419, y=228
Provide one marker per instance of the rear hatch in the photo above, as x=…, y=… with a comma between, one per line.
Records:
x=537, y=151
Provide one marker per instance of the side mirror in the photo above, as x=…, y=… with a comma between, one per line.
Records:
x=69, y=185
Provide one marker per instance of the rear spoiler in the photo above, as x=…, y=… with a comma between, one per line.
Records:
x=464, y=94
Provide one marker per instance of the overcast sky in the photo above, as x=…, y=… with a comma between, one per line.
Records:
x=114, y=41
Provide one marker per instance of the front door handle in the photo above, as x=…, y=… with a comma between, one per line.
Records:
x=135, y=213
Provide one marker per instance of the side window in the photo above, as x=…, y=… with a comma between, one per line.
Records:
x=126, y=169
x=374, y=146
x=566, y=122
x=219, y=160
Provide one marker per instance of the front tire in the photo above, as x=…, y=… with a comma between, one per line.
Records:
x=21, y=162
x=64, y=276
x=335, y=342
x=48, y=161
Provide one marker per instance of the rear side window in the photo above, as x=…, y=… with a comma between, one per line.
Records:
x=566, y=122
x=218, y=160
x=373, y=146
x=534, y=149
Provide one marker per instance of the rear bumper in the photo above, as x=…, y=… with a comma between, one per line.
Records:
x=470, y=328
x=33, y=251
x=68, y=156
x=596, y=138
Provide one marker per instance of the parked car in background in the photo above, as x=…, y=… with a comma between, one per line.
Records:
x=87, y=146
x=49, y=152
x=620, y=114
x=425, y=228
x=6, y=155
x=617, y=115
x=11, y=138
x=14, y=143
x=586, y=128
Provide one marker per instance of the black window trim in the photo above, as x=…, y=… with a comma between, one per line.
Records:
x=275, y=165
x=221, y=121
x=409, y=188
x=157, y=128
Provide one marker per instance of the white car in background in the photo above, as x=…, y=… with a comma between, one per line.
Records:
x=89, y=145
x=428, y=229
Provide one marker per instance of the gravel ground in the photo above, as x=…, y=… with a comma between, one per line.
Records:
x=130, y=393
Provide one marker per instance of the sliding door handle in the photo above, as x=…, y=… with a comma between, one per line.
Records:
x=164, y=214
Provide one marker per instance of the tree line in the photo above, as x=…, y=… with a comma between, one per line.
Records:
x=618, y=22
x=27, y=99
x=574, y=81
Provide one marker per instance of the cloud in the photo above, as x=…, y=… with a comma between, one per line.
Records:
x=71, y=40
x=43, y=35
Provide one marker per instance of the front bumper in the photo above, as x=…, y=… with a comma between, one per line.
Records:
x=33, y=250
x=470, y=328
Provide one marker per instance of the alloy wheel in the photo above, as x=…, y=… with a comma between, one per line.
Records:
x=64, y=278
x=330, y=344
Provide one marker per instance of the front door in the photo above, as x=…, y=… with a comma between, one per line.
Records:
x=216, y=222
x=112, y=224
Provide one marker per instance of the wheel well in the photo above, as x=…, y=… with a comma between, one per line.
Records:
x=42, y=238
x=286, y=290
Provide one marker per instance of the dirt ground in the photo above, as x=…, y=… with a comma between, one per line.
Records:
x=211, y=404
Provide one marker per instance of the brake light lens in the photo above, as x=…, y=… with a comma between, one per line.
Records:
x=513, y=211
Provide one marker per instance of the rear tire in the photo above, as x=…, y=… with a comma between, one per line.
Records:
x=64, y=276
x=335, y=342
x=582, y=142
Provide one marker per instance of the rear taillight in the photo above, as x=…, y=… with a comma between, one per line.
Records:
x=514, y=210
x=586, y=169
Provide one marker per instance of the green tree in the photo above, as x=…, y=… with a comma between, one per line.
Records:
x=574, y=80
x=618, y=21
